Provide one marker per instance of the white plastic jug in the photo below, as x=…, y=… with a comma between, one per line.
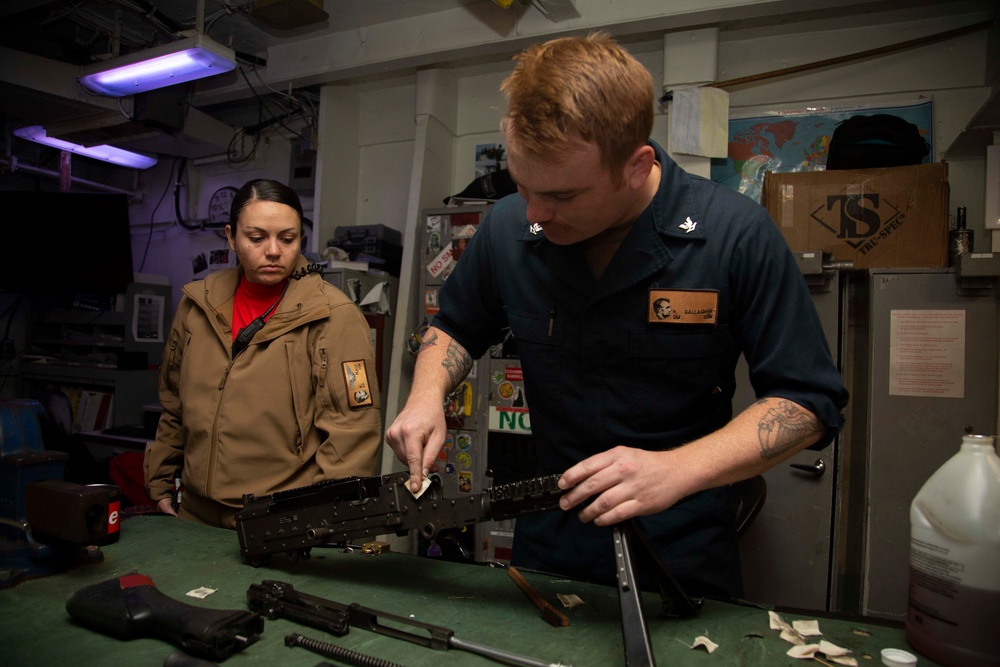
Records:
x=954, y=610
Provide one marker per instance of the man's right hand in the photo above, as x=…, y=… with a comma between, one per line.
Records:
x=416, y=436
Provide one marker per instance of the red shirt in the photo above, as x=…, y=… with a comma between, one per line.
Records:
x=253, y=300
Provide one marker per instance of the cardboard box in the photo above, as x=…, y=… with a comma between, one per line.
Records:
x=896, y=217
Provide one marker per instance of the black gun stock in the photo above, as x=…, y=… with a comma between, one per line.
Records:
x=343, y=510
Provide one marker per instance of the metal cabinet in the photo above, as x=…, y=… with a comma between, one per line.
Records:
x=925, y=370
x=489, y=427
x=918, y=352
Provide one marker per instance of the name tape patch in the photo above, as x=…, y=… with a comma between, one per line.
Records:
x=682, y=306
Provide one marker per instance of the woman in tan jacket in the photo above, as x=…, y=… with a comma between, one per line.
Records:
x=268, y=378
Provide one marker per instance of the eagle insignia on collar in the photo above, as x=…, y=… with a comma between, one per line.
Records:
x=688, y=225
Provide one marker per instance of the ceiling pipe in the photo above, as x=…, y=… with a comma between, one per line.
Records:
x=16, y=165
x=199, y=19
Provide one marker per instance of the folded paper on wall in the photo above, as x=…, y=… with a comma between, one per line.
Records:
x=699, y=122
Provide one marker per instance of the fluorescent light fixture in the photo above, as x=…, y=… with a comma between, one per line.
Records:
x=117, y=156
x=165, y=65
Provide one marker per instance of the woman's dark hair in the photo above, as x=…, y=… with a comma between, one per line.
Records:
x=266, y=190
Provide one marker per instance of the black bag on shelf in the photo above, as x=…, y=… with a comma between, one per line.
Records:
x=491, y=186
x=881, y=140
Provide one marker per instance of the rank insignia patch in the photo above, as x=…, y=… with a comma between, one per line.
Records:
x=358, y=390
x=682, y=306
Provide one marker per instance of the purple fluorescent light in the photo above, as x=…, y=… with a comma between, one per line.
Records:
x=110, y=154
x=178, y=62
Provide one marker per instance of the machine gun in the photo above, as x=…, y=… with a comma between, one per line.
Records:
x=341, y=510
x=338, y=511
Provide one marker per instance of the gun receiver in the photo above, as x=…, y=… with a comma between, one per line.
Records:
x=341, y=510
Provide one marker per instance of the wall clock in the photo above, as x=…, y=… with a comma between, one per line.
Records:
x=220, y=203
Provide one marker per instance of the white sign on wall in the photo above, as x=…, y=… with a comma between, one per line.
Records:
x=927, y=353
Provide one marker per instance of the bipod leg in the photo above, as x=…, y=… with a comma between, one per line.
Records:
x=635, y=634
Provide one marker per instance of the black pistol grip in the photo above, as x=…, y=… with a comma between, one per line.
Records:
x=131, y=606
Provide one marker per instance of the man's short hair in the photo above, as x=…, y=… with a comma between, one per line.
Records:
x=586, y=89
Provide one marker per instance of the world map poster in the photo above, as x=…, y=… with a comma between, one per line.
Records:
x=796, y=141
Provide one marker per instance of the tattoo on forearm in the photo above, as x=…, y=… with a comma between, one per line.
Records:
x=458, y=363
x=784, y=427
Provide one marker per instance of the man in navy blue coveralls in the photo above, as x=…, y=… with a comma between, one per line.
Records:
x=630, y=402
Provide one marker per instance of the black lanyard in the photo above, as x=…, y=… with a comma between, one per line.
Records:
x=247, y=333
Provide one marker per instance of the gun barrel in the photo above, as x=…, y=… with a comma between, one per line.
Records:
x=339, y=511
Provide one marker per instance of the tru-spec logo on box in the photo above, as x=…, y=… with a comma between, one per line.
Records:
x=862, y=221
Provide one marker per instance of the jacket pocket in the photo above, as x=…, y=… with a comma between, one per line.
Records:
x=300, y=388
x=540, y=329
x=678, y=378
x=540, y=347
x=173, y=357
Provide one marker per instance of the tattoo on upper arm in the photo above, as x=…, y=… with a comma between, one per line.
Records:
x=785, y=426
x=430, y=340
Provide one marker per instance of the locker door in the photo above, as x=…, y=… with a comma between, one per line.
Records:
x=786, y=551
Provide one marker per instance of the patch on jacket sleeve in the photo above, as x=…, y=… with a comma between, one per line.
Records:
x=358, y=390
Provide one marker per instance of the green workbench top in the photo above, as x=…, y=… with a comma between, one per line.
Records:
x=480, y=604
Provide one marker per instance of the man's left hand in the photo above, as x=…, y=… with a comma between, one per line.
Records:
x=624, y=482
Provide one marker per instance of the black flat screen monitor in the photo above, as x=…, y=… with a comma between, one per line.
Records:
x=65, y=242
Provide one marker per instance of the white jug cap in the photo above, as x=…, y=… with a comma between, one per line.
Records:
x=894, y=657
